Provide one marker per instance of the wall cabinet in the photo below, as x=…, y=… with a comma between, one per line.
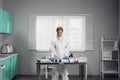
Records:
x=5, y=21
x=11, y=68
x=1, y=20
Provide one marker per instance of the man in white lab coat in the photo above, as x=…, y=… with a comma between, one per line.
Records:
x=59, y=49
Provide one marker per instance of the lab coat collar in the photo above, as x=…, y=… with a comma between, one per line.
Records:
x=60, y=37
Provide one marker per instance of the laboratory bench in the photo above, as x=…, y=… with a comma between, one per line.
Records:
x=82, y=63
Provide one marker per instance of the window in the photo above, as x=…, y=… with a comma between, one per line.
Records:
x=77, y=34
x=45, y=30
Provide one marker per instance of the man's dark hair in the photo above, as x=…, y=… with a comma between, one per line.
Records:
x=59, y=28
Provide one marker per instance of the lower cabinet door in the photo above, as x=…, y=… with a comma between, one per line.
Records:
x=15, y=65
x=6, y=70
x=12, y=68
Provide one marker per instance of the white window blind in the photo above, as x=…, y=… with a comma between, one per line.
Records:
x=45, y=30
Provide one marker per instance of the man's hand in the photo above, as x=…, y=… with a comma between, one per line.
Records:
x=58, y=57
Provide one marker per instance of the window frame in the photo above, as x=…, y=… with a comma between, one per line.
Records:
x=89, y=44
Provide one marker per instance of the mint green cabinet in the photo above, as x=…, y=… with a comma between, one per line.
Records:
x=6, y=20
x=6, y=71
x=14, y=66
x=11, y=68
x=1, y=20
x=9, y=27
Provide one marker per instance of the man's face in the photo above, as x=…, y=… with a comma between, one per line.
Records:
x=59, y=33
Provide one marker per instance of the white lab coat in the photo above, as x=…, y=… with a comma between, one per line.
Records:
x=59, y=48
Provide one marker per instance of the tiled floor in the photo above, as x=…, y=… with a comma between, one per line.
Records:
x=70, y=78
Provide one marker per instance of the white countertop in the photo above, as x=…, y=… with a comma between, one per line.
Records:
x=80, y=59
x=6, y=56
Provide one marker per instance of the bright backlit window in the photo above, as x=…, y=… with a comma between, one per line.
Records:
x=77, y=28
x=74, y=30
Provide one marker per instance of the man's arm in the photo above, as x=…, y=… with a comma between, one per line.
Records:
x=52, y=50
x=66, y=51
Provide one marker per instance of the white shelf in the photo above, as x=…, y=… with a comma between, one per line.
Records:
x=108, y=40
x=109, y=49
x=110, y=72
x=111, y=60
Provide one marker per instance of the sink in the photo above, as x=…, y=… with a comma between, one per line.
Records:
x=3, y=55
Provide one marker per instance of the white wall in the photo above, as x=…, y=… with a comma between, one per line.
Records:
x=105, y=23
x=1, y=3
